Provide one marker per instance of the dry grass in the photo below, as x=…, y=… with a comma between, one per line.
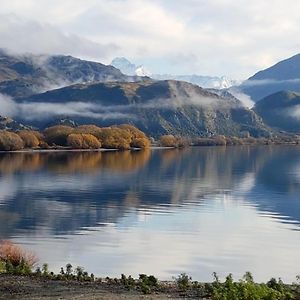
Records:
x=9, y=252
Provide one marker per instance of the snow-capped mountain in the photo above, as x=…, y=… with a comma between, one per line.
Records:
x=128, y=68
x=209, y=82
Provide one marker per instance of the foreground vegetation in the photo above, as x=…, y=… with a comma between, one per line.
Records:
x=16, y=261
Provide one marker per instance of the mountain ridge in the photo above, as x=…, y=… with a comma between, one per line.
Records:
x=281, y=110
x=282, y=76
x=25, y=75
x=156, y=107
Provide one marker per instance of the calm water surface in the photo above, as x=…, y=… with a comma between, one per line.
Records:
x=161, y=212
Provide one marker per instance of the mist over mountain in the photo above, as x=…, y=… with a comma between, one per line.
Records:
x=24, y=75
x=156, y=107
x=283, y=76
x=281, y=110
x=40, y=90
x=127, y=67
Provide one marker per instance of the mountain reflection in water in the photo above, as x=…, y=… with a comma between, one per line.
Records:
x=187, y=197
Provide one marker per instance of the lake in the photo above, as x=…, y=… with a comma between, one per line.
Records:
x=161, y=212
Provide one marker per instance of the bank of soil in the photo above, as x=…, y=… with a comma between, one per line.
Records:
x=35, y=288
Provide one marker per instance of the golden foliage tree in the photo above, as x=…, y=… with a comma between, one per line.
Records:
x=10, y=141
x=83, y=141
x=89, y=129
x=75, y=140
x=115, y=138
x=142, y=143
x=168, y=141
x=90, y=141
x=57, y=135
x=29, y=138
x=138, y=137
x=135, y=132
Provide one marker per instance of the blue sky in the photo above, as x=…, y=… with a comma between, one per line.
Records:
x=216, y=37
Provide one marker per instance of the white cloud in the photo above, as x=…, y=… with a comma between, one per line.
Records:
x=294, y=112
x=7, y=106
x=21, y=35
x=245, y=99
x=230, y=37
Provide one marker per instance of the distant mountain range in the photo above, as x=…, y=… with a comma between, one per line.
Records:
x=48, y=89
x=126, y=67
x=283, y=76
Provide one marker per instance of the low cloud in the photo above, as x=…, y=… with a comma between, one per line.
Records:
x=261, y=82
x=45, y=110
x=42, y=110
x=246, y=100
x=39, y=111
x=294, y=112
x=20, y=35
x=7, y=106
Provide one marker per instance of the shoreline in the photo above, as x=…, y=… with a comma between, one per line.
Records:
x=37, y=287
x=140, y=149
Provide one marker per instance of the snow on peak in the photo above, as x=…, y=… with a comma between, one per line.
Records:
x=128, y=68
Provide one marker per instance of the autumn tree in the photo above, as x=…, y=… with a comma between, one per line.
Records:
x=75, y=140
x=115, y=138
x=90, y=141
x=10, y=141
x=135, y=132
x=138, y=137
x=142, y=143
x=83, y=141
x=168, y=141
x=29, y=138
x=89, y=129
x=57, y=134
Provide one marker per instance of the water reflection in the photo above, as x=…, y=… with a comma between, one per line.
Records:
x=68, y=162
x=227, y=198
x=68, y=191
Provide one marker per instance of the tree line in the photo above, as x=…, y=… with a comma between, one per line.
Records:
x=121, y=137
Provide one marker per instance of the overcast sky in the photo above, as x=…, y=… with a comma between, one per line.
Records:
x=207, y=37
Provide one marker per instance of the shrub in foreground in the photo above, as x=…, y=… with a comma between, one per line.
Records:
x=16, y=260
x=183, y=281
x=247, y=289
